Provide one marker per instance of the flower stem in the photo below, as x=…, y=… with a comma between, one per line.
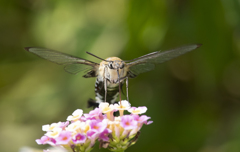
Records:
x=72, y=147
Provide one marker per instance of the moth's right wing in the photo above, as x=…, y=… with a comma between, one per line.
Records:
x=72, y=64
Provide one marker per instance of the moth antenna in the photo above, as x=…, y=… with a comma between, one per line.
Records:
x=96, y=56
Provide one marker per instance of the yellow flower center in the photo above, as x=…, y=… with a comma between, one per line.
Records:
x=54, y=133
x=106, y=109
x=136, y=111
x=75, y=117
x=86, y=128
x=51, y=128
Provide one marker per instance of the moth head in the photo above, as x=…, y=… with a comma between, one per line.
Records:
x=116, y=64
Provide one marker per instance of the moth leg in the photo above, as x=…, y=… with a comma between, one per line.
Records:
x=127, y=88
x=105, y=83
x=119, y=85
x=105, y=88
x=122, y=79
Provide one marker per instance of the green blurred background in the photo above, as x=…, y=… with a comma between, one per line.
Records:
x=194, y=100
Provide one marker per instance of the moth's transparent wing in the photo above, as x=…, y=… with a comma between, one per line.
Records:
x=76, y=68
x=73, y=64
x=57, y=57
x=141, y=68
x=147, y=62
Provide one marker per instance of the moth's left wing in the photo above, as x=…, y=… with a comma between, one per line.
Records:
x=72, y=64
x=147, y=62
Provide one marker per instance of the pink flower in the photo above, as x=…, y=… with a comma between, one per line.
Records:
x=127, y=122
x=92, y=134
x=52, y=141
x=97, y=126
x=43, y=140
x=46, y=140
x=63, y=138
x=96, y=113
x=79, y=138
x=104, y=134
x=143, y=119
x=63, y=124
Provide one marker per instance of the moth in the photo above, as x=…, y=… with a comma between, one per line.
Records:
x=112, y=72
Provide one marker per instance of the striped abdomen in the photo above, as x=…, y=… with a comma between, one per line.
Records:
x=112, y=92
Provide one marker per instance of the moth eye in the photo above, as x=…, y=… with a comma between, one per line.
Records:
x=110, y=65
x=122, y=66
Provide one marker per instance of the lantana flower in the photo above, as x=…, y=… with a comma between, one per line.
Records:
x=81, y=131
x=121, y=106
x=75, y=115
x=139, y=110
